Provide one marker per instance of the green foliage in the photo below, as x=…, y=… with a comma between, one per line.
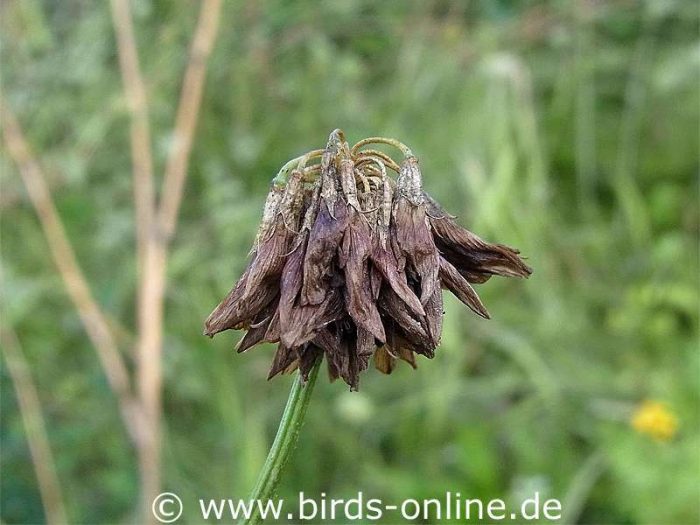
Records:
x=567, y=129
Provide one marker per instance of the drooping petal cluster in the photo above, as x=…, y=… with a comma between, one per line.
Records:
x=350, y=264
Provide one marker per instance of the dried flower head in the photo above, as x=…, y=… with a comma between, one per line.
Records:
x=350, y=264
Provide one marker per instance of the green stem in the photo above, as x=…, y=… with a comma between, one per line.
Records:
x=283, y=445
x=383, y=140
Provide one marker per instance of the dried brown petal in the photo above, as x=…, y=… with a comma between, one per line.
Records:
x=353, y=259
x=330, y=178
x=382, y=255
x=396, y=309
x=270, y=258
x=401, y=348
x=259, y=330
x=324, y=239
x=333, y=342
x=234, y=313
x=260, y=282
x=285, y=360
x=385, y=262
x=476, y=259
x=460, y=287
x=272, y=335
x=290, y=285
x=412, y=239
x=300, y=323
x=270, y=209
x=292, y=205
x=333, y=374
x=408, y=355
x=383, y=360
x=307, y=320
x=433, y=317
x=375, y=281
x=347, y=350
x=308, y=356
x=327, y=340
x=256, y=289
x=347, y=183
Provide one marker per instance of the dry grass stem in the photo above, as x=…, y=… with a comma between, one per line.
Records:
x=94, y=320
x=35, y=429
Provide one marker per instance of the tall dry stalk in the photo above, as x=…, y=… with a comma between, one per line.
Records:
x=93, y=319
x=140, y=132
x=153, y=278
x=34, y=428
x=155, y=227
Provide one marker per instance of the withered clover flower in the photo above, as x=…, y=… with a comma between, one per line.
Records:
x=350, y=263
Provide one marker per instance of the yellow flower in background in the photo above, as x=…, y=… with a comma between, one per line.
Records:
x=655, y=419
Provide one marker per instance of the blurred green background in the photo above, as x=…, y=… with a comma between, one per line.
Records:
x=566, y=129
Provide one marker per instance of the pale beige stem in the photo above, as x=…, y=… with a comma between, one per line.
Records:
x=35, y=429
x=154, y=277
x=187, y=113
x=144, y=200
x=140, y=133
x=93, y=319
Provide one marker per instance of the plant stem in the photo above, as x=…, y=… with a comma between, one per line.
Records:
x=283, y=445
x=383, y=140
